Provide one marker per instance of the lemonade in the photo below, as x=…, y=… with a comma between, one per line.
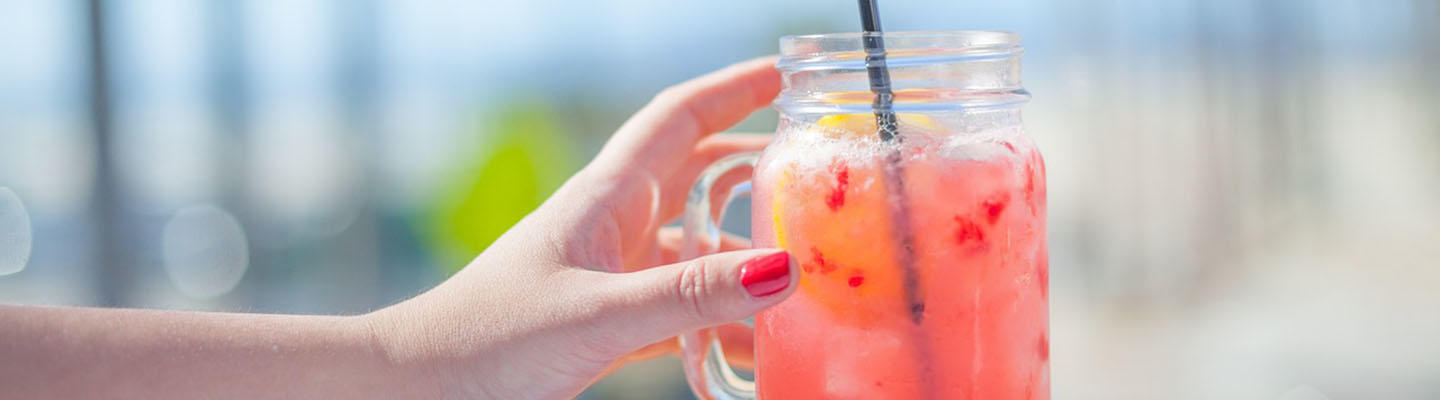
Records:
x=922, y=252
x=924, y=263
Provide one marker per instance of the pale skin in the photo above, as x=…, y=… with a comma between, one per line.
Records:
x=585, y=283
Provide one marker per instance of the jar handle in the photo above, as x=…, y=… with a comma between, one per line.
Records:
x=710, y=376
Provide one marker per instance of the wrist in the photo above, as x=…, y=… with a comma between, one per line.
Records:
x=402, y=350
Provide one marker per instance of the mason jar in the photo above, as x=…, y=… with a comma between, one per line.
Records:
x=924, y=268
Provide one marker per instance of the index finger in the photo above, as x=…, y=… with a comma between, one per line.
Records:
x=661, y=135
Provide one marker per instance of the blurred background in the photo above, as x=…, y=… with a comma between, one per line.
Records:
x=1245, y=195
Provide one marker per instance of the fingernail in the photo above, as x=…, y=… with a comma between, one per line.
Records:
x=766, y=275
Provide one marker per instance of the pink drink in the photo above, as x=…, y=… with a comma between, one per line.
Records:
x=961, y=314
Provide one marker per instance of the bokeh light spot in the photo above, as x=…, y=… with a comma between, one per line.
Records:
x=205, y=251
x=15, y=233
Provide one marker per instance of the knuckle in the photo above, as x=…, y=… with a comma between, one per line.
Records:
x=678, y=101
x=693, y=287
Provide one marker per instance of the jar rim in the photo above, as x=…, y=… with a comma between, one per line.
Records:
x=930, y=71
x=992, y=36
x=809, y=45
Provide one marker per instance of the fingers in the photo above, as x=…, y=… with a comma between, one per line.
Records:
x=661, y=135
x=667, y=199
x=711, y=149
x=737, y=339
x=671, y=238
x=650, y=305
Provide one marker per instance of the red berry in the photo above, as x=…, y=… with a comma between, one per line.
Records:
x=994, y=206
x=968, y=232
x=836, y=198
x=824, y=266
x=856, y=279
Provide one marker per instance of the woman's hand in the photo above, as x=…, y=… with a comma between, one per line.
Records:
x=566, y=294
x=591, y=277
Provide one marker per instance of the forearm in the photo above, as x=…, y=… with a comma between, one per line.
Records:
x=48, y=352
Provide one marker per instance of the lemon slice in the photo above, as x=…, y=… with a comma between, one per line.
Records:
x=863, y=125
x=777, y=204
x=829, y=221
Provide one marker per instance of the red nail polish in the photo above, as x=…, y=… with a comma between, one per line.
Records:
x=766, y=275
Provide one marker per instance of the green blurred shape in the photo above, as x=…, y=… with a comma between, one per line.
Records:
x=525, y=156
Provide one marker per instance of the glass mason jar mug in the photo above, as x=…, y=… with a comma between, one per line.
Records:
x=924, y=267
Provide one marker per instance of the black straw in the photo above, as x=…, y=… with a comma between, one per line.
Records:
x=878, y=71
x=885, y=126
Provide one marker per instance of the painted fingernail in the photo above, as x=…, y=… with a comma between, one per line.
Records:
x=766, y=275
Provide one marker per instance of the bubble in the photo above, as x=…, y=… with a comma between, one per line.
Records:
x=15, y=233
x=205, y=251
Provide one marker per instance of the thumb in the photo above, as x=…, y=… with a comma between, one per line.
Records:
x=665, y=301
